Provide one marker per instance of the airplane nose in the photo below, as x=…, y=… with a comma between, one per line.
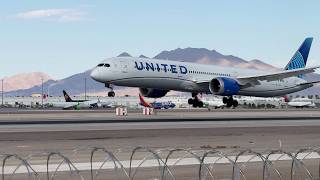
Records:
x=95, y=75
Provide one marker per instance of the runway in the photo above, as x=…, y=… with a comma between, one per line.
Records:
x=48, y=120
x=180, y=115
x=32, y=133
x=180, y=128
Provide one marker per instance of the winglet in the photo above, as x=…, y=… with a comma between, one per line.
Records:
x=299, y=59
x=66, y=96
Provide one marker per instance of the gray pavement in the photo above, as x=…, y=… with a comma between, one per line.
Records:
x=225, y=130
x=259, y=129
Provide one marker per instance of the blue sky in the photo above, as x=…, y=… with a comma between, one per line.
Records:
x=66, y=37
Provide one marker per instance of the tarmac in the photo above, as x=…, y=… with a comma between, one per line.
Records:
x=32, y=132
x=170, y=128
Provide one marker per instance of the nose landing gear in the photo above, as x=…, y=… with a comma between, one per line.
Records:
x=195, y=101
x=111, y=93
x=229, y=101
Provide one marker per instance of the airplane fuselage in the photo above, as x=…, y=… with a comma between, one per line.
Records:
x=184, y=76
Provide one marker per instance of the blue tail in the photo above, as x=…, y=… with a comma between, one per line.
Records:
x=299, y=59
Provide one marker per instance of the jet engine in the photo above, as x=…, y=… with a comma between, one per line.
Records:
x=152, y=93
x=224, y=86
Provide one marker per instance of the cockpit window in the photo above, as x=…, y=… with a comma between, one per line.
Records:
x=100, y=65
x=107, y=65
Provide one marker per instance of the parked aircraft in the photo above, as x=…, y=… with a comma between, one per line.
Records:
x=216, y=103
x=156, y=77
x=156, y=105
x=301, y=103
x=68, y=98
x=80, y=104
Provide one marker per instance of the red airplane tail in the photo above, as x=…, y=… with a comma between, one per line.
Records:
x=143, y=102
x=286, y=99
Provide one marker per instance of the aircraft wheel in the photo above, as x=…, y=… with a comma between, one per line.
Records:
x=200, y=104
x=195, y=104
x=111, y=94
x=235, y=103
x=225, y=100
x=190, y=101
x=229, y=104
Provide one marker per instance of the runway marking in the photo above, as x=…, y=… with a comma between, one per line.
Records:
x=86, y=166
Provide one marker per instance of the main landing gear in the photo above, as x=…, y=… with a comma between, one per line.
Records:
x=195, y=101
x=111, y=93
x=229, y=101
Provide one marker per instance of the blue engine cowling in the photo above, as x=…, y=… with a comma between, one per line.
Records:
x=224, y=86
x=152, y=93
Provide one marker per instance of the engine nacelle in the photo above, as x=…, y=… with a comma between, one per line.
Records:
x=224, y=86
x=152, y=93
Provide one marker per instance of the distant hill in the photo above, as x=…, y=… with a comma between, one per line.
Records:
x=205, y=56
x=75, y=83
x=143, y=56
x=24, y=80
x=124, y=54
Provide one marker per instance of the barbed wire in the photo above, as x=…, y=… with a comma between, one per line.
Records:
x=164, y=164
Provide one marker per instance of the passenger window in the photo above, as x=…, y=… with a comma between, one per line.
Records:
x=107, y=65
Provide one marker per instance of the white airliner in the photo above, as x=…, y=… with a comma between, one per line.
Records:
x=216, y=103
x=81, y=104
x=301, y=103
x=156, y=77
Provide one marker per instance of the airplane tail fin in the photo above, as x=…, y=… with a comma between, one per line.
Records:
x=143, y=102
x=66, y=96
x=299, y=59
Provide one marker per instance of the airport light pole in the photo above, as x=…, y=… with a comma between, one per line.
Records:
x=85, y=88
x=48, y=91
x=42, y=93
x=2, y=93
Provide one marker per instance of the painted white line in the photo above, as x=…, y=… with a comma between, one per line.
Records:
x=152, y=163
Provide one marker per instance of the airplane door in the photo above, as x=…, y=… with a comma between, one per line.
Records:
x=124, y=66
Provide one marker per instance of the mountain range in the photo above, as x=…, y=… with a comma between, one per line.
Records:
x=205, y=56
x=75, y=84
x=24, y=81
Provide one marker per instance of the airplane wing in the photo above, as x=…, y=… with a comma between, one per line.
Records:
x=92, y=102
x=313, y=82
x=273, y=76
x=106, y=104
x=253, y=80
x=70, y=106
